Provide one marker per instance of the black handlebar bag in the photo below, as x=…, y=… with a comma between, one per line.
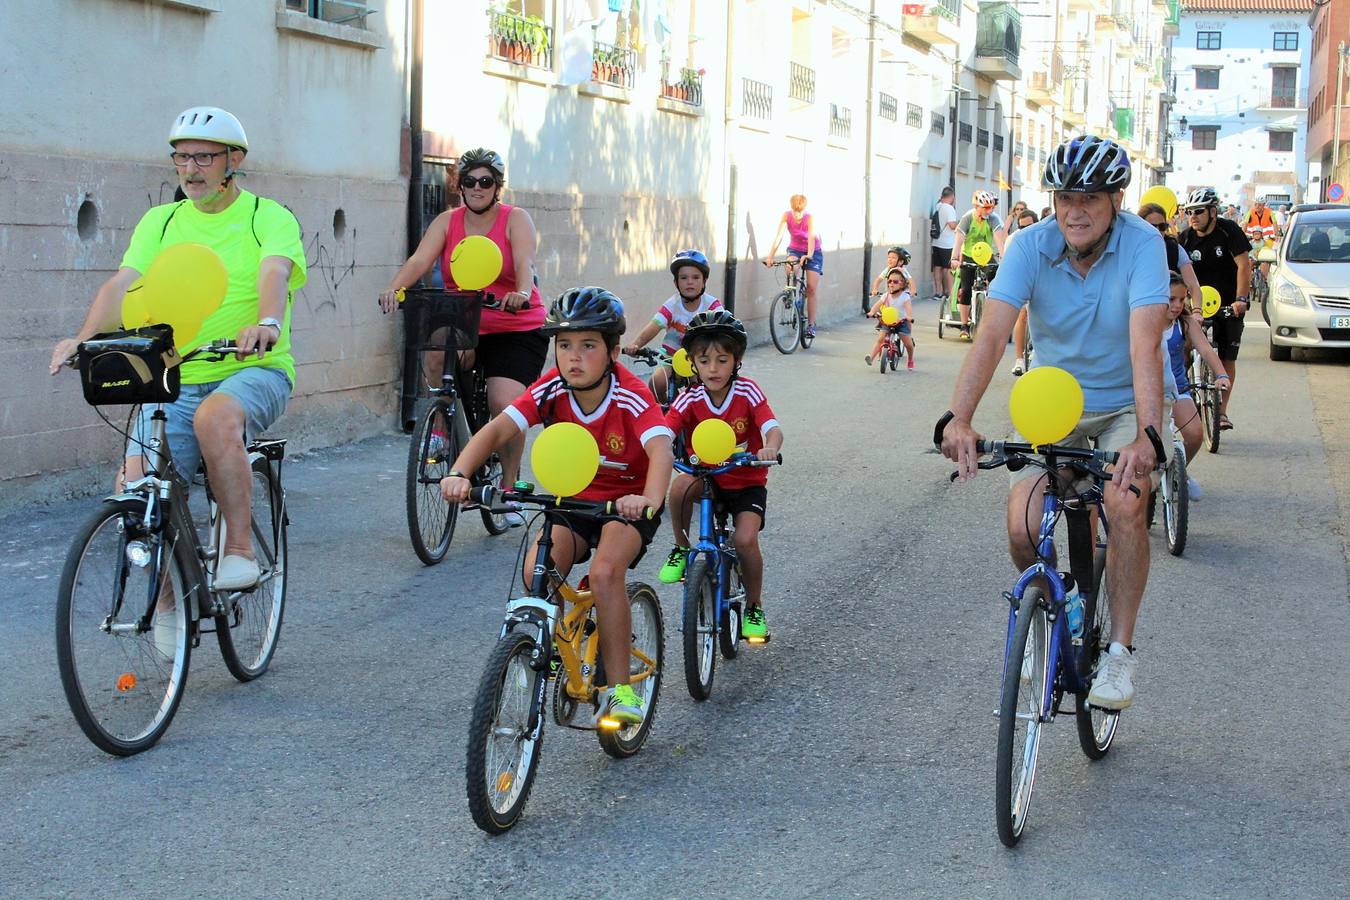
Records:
x=138, y=366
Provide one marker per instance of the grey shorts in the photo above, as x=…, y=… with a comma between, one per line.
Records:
x=1100, y=430
x=261, y=390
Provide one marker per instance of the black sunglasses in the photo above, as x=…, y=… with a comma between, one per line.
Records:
x=1161, y=226
x=482, y=181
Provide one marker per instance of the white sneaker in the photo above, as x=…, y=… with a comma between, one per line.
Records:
x=236, y=573
x=1017, y=367
x=1113, y=688
x=1193, y=488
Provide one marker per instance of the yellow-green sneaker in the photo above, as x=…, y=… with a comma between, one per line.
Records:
x=673, y=569
x=622, y=704
x=754, y=628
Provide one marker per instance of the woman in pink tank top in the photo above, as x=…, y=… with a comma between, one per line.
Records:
x=803, y=243
x=510, y=346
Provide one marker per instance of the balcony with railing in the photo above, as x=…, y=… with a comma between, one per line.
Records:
x=1283, y=101
x=1045, y=84
x=1122, y=120
x=841, y=122
x=1172, y=21
x=939, y=23
x=801, y=83
x=523, y=40
x=998, y=41
x=688, y=89
x=613, y=65
x=756, y=99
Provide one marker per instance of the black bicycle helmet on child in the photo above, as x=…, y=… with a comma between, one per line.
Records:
x=716, y=322
x=901, y=253
x=481, y=157
x=693, y=258
x=585, y=309
x=1087, y=165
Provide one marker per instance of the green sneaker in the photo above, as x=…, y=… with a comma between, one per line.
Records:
x=622, y=705
x=753, y=627
x=673, y=569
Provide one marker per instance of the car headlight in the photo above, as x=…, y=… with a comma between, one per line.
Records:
x=1289, y=293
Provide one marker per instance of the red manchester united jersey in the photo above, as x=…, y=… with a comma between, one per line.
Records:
x=622, y=424
x=744, y=409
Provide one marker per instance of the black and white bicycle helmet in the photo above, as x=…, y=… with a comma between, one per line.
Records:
x=585, y=309
x=693, y=258
x=984, y=198
x=1087, y=165
x=1201, y=198
x=717, y=322
x=481, y=157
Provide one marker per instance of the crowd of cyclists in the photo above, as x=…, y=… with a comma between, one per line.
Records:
x=1108, y=295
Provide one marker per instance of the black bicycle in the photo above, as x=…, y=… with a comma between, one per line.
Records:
x=1208, y=395
x=453, y=411
x=787, y=314
x=137, y=593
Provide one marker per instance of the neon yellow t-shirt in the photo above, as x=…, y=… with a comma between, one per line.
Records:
x=245, y=232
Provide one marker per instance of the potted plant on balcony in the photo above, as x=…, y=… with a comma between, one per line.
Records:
x=535, y=38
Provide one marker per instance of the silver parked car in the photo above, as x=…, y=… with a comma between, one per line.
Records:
x=1309, y=301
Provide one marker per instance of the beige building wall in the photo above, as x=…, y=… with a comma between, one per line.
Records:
x=92, y=87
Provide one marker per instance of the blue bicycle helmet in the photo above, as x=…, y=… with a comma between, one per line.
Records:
x=1087, y=165
x=585, y=309
x=693, y=258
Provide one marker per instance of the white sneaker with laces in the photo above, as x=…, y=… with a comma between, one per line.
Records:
x=1113, y=688
x=1193, y=488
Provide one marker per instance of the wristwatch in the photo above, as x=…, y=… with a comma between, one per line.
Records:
x=1242, y=299
x=271, y=323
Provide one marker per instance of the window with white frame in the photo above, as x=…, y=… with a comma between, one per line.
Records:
x=339, y=12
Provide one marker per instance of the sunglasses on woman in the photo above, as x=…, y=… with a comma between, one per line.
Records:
x=482, y=181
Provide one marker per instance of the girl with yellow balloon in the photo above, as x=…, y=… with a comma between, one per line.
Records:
x=606, y=440
x=896, y=311
x=724, y=413
x=690, y=270
x=486, y=245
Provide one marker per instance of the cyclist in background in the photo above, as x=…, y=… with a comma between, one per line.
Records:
x=1097, y=286
x=981, y=225
x=1025, y=219
x=804, y=244
x=1177, y=259
x=1261, y=229
x=225, y=403
x=690, y=270
x=899, y=290
x=1183, y=332
x=896, y=258
x=1220, y=253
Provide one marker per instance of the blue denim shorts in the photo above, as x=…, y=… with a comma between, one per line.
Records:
x=261, y=390
x=813, y=263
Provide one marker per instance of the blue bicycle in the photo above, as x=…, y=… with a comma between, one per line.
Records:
x=714, y=594
x=1044, y=657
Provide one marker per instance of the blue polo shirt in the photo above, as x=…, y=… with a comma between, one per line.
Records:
x=1082, y=324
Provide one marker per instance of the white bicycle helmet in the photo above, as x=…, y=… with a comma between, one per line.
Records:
x=1200, y=198
x=208, y=123
x=984, y=198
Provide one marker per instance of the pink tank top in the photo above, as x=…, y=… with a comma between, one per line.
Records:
x=797, y=230
x=494, y=321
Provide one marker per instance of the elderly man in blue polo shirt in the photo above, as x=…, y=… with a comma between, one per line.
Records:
x=1095, y=282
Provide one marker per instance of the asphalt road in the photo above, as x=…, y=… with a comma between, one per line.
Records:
x=852, y=756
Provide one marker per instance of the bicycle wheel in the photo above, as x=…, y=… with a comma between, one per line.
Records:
x=123, y=685
x=645, y=669
x=729, y=635
x=494, y=523
x=431, y=520
x=699, y=614
x=1176, y=509
x=503, y=753
x=784, y=326
x=1213, y=413
x=248, y=632
x=882, y=359
x=1096, y=727
x=976, y=312
x=896, y=354
x=1025, y=672
x=803, y=331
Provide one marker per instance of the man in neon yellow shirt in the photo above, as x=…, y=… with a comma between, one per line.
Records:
x=258, y=240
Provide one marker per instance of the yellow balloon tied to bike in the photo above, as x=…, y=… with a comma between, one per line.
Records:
x=1046, y=403
x=1162, y=195
x=681, y=364
x=713, y=441
x=890, y=315
x=982, y=253
x=1210, y=301
x=184, y=285
x=565, y=459
x=475, y=263
x=135, y=312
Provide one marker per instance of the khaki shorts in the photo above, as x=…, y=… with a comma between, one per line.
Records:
x=1099, y=430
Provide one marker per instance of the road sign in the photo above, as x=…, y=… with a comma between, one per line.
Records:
x=1335, y=192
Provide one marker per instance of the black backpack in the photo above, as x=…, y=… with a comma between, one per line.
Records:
x=934, y=229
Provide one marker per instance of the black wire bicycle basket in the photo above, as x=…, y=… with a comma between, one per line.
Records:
x=441, y=320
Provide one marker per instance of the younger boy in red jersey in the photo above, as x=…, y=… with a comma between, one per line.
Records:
x=715, y=342
x=589, y=387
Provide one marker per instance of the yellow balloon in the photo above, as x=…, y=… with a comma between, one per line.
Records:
x=475, y=263
x=1045, y=404
x=1162, y=195
x=135, y=312
x=890, y=315
x=565, y=459
x=184, y=285
x=681, y=364
x=981, y=253
x=1210, y=301
x=714, y=441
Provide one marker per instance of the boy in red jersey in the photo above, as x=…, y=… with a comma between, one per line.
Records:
x=715, y=342
x=588, y=386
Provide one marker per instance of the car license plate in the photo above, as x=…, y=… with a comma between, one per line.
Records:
x=1340, y=321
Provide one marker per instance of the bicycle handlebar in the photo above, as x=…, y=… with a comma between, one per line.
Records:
x=489, y=301
x=740, y=460
x=484, y=495
x=651, y=357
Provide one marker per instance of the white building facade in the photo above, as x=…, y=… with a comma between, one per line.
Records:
x=1242, y=97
